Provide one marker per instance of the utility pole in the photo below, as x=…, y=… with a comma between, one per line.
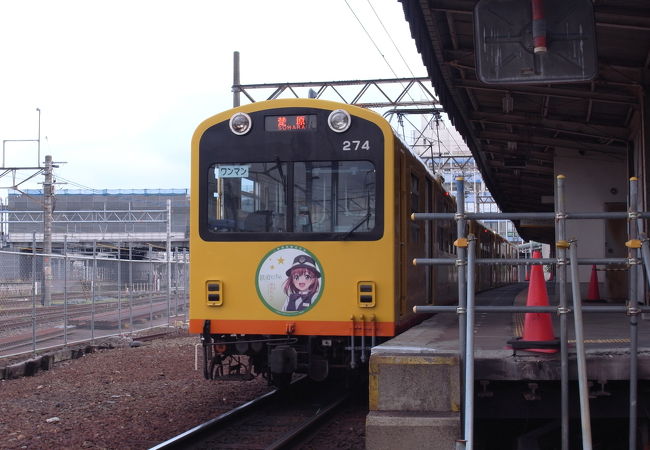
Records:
x=235, y=80
x=47, y=231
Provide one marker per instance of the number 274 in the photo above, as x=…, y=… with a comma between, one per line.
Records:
x=356, y=145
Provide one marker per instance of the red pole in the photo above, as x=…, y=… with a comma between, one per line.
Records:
x=539, y=27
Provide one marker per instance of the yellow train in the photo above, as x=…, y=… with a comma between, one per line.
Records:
x=301, y=242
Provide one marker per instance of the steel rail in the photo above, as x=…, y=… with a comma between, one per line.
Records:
x=185, y=438
x=292, y=436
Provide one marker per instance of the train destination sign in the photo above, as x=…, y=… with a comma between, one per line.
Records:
x=290, y=123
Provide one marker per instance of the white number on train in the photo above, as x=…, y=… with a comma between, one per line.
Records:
x=356, y=145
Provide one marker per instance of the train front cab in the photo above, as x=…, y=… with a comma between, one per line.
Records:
x=271, y=200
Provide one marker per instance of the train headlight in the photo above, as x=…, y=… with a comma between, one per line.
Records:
x=240, y=123
x=339, y=120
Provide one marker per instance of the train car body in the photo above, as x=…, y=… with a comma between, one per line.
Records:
x=301, y=243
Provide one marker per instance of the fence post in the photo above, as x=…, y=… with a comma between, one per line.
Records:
x=130, y=285
x=34, y=292
x=177, y=281
x=92, y=293
x=169, y=260
x=150, y=278
x=186, y=288
x=119, y=286
x=65, y=289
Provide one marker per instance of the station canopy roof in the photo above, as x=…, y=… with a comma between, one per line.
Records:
x=515, y=130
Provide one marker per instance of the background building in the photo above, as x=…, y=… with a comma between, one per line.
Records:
x=87, y=216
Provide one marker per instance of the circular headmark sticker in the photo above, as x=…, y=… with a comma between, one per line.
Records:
x=289, y=280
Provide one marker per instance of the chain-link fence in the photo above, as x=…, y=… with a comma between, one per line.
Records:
x=88, y=293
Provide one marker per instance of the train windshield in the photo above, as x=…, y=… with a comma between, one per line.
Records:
x=293, y=197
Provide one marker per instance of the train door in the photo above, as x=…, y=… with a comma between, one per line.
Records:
x=403, y=218
x=428, y=239
x=418, y=282
x=444, y=276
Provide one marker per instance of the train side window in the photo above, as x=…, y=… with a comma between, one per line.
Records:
x=444, y=231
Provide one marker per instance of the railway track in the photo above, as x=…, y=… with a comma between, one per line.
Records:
x=18, y=318
x=46, y=326
x=276, y=420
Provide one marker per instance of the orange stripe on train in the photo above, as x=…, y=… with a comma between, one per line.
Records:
x=318, y=328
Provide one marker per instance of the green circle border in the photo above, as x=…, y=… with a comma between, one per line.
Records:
x=257, y=277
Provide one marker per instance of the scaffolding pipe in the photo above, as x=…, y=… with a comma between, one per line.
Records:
x=633, y=253
x=636, y=250
x=583, y=388
x=645, y=253
x=560, y=227
x=516, y=261
x=519, y=216
x=469, y=352
x=530, y=309
x=462, y=298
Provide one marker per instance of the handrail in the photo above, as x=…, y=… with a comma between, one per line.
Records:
x=638, y=254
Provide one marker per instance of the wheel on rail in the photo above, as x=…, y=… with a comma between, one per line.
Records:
x=281, y=380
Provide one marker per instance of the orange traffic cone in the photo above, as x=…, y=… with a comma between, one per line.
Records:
x=538, y=326
x=593, y=293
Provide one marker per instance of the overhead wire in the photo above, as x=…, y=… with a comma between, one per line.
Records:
x=406, y=63
x=391, y=38
x=371, y=38
x=388, y=34
x=78, y=185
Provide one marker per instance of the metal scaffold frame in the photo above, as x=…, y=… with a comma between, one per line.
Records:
x=319, y=89
x=96, y=216
x=638, y=258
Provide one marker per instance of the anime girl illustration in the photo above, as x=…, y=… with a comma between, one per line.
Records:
x=303, y=283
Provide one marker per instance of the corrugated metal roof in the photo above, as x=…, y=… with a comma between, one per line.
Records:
x=515, y=131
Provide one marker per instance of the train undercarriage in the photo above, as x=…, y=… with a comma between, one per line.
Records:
x=277, y=358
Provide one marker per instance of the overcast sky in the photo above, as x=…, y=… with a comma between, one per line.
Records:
x=122, y=85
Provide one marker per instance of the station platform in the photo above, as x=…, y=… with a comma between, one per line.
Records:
x=415, y=392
